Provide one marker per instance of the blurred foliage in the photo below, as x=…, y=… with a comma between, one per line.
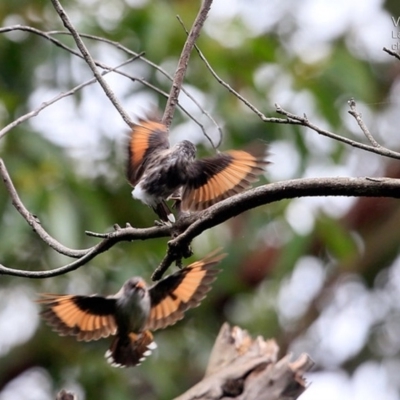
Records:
x=71, y=193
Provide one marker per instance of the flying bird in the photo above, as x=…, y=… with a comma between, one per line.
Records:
x=132, y=313
x=158, y=171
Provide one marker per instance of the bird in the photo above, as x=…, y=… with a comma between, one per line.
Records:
x=131, y=314
x=159, y=172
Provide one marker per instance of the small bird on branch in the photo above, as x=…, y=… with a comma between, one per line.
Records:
x=133, y=312
x=159, y=172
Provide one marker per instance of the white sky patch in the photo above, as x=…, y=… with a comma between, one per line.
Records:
x=18, y=317
x=343, y=327
x=285, y=161
x=33, y=384
x=320, y=22
x=369, y=382
x=299, y=290
x=300, y=216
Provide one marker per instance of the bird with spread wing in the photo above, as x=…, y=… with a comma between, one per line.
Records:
x=158, y=171
x=132, y=313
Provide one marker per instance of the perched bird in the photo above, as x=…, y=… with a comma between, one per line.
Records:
x=133, y=312
x=158, y=171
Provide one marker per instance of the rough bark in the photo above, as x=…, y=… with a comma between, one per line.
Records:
x=243, y=368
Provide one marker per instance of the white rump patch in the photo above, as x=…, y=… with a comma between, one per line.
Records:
x=143, y=196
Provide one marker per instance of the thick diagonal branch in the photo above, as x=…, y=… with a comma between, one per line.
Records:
x=189, y=227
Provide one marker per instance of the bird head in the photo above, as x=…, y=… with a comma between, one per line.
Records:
x=134, y=287
x=185, y=149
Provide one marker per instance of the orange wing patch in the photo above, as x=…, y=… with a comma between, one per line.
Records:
x=79, y=316
x=146, y=138
x=222, y=176
x=180, y=291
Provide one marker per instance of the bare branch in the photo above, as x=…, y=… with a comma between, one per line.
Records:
x=162, y=71
x=125, y=234
x=32, y=220
x=353, y=111
x=60, y=96
x=392, y=53
x=221, y=82
x=89, y=60
x=293, y=119
x=296, y=119
x=192, y=225
x=184, y=61
x=49, y=36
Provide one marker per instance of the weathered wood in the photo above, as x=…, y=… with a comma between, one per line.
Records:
x=243, y=368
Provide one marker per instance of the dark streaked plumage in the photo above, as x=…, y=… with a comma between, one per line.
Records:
x=133, y=312
x=158, y=171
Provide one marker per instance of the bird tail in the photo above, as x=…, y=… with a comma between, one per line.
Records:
x=163, y=211
x=130, y=350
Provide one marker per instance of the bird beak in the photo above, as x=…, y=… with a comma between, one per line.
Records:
x=141, y=285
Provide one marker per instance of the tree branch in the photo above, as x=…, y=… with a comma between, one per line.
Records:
x=392, y=53
x=190, y=226
x=60, y=96
x=49, y=36
x=33, y=220
x=89, y=60
x=353, y=111
x=184, y=61
x=296, y=119
x=293, y=119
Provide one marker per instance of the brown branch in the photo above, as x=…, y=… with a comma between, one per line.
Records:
x=192, y=226
x=241, y=367
x=163, y=72
x=293, y=119
x=125, y=234
x=89, y=60
x=32, y=220
x=392, y=53
x=189, y=226
x=60, y=96
x=296, y=119
x=353, y=111
x=184, y=61
x=49, y=36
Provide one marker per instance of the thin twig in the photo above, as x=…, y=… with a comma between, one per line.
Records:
x=163, y=72
x=221, y=81
x=293, y=119
x=392, y=53
x=60, y=96
x=353, y=111
x=49, y=36
x=89, y=60
x=32, y=220
x=296, y=119
x=124, y=234
x=184, y=61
